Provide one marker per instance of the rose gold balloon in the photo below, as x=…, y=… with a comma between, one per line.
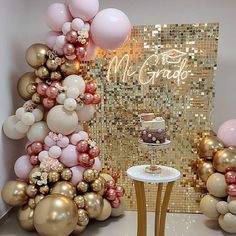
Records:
x=231, y=190
x=85, y=161
x=80, y=52
x=91, y=87
x=48, y=103
x=120, y=191
x=110, y=184
x=88, y=98
x=37, y=147
x=29, y=150
x=224, y=159
x=82, y=146
x=205, y=170
x=230, y=177
x=52, y=92
x=111, y=194
x=96, y=99
x=69, y=49
x=94, y=152
x=72, y=36
x=34, y=160
x=115, y=203
x=41, y=89
x=208, y=146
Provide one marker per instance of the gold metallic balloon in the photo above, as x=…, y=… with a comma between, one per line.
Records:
x=60, y=167
x=98, y=185
x=43, y=72
x=26, y=80
x=66, y=174
x=55, y=215
x=70, y=68
x=204, y=170
x=52, y=64
x=38, y=198
x=224, y=160
x=14, y=193
x=89, y=175
x=26, y=218
x=56, y=75
x=32, y=203
x=36, y=98
x=78, y=229
x=79, y=201
x=53, y=176
x=107, y=177
x=232, y=148
x=44, y=189
x=83, y=218
x=31, y=190
x=93, y=204
x=33, y=180
x=208, y=146
x=64, y=188
x=106, y=211
x=36, y=55
x=31, y=88
x=82, y=187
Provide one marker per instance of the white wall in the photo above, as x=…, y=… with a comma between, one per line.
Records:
x=24, y=24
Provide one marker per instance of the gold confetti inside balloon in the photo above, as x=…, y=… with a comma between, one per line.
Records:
x=66, y=174
x=55, y=215
x=79, y=201
x=106, y=211
x=26, y=218
x=83, y=218
x=64, y=188
x=82, y=187
x=93, y=204
x=205, y=170
x=53, y=176
x=33, y=180
x=14, y=193
x=98, y=185
x=89, y=175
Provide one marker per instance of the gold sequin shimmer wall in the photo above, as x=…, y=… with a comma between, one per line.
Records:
x=168, y=70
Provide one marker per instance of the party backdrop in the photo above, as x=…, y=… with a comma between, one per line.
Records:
x=169, y=70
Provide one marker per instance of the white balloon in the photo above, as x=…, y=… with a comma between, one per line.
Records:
x=222, y=207
x=38, y=131
x=66, y=28
x=70, y=104
x=38, y=114
x=21, y=128
x=19, y=112
x=61, y=121
x=77, y=24
x=232, y=207
x=72, y=92
x=61, y=98
x=27, y=118
x=86, y=113
x=49, y=141
x=10, y=129
x=84, y=135
x=60, y=41
x=230, y=219
x=54, y=152
x=74, y=81
x=42, y=155
x=79, y=128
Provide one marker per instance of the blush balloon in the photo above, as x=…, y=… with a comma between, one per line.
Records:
x=91, y=87
x=52, y=92
x=69, y=156
x=48, y=103
x=23, y=167
x=94, y=152
x=51, y=38
x=227, y=133
x=97, y=164
x=77, y=174
x=91, y=51
x=85, y=161
x=41, y=89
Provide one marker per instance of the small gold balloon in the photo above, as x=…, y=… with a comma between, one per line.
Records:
x=97, y=185
x=82, y=187
x=79, y=201
x=36, y=98
x=66, y=174
x=103, y=181
x=38, y=80
x=106, y=211
x=32, y=180
x=60, y=167
x=70, y=68
x=53, y=176
x=83, y=218
x=225, y=160
x=14, y=193
x=55, y=215
x=44, y=189
x=32, y=203
x=26, y=218
x=208, y=146
x=38, y=198
x=89, y=175
x=51, y=64
x=78, y=229
x=93, y=204
x=56, y=75
x=205, y=170
x=64, y=188
x=36, y=55
x=43, y=72
x=31, y=190
x=232, y=148
x=31, y=88
x=25, y=80
x=96, y=173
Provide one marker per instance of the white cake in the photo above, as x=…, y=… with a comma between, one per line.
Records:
x=154, y=124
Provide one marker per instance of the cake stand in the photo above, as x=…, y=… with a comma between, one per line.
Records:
x=153, y=149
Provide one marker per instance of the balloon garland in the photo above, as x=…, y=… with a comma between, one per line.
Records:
x=60, y=184
x=217, y=168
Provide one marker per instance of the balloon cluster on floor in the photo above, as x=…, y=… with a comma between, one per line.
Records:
x=60, y=184
x=217, y=167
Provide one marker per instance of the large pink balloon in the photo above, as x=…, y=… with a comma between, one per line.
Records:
x=91, y=51
x=23, y=167
x=84, y=9
x=77, y=176
x=227, y=133
x=51, y=38
x=110, y=29
x=57, y=15
x=69, y=156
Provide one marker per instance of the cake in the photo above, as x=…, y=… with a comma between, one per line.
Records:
x=153, y=129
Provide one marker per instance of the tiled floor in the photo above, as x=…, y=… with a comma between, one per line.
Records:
x=177, y=225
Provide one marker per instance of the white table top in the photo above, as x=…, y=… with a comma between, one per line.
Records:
x=168, y=174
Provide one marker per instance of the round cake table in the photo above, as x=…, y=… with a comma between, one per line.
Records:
x=168, y=175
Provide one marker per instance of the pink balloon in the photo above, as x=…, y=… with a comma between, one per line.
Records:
x=51, y=38
x=91, y=51
x=98, y=164
x=110, y=29
x=230, y=177
x=231, y=190
x=58, y=50
x=23, y=167
x=227, y=133
x=77, y=174
x=57, y=15
x=69, y=156
x=84, y=9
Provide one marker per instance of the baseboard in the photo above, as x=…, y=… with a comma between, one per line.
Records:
x=6, y=215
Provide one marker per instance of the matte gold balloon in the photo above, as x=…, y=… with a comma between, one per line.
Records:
x=208, y=146
x=83, y=218
x=66, y=174
x=36, y=55
x=53, y=176
x=106, y=211
x=55, y=215
x=38, y=198
x=98, y=185
x=93, y=204
x=224, y=160
x=26, y=218
x=26, y=80
x=208, y=206
x=31, y=190
x=205, y=170
x=56, y=75
x=32, y=203
x=14, y=193
x=52, y=64
x=82, y=187
x=43, y=72
x=36, y=98
x=70, y=68
x=64, y=188
x=79, y=201
x=89, y=175
x=78, y=229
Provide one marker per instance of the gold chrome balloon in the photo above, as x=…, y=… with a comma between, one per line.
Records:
x=26, y=218
x=32, y=203
x=53, y=176
x=33, y=180
x=93, y=204
x=66, y=174
x=78, y=229
x=26, y=80
x=82, y=187
x=83, y=218
x=42, y=72
x=224, y=160
x=36, y=55
x=64, y=188
x=14, y=193
x=208, y=146
x=38, y=198
x=56, y=75
x=106, y=211
x=52, y=64
x=36, y=98
x=31, y=190
x=44, y=189
x=79, y=201
x=98, y=185
x=55, y=215
x=89, y=175
x=70, y=68
x=204, y=170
